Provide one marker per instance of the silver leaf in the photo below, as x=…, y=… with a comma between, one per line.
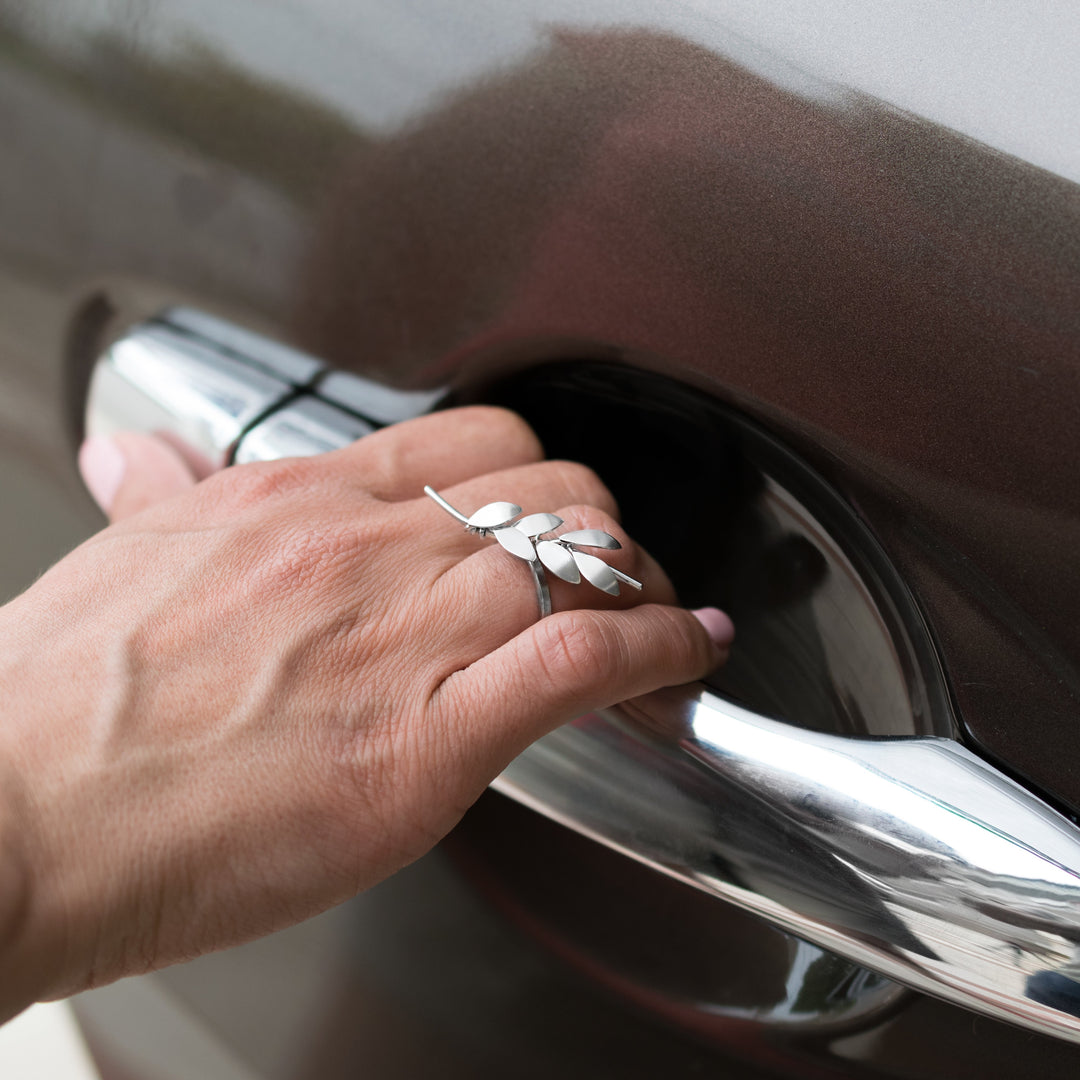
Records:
x=517, y=543
x=591, y=538
x=558, y=560
x=494, y=515
x=597, y=572
x=537, y=524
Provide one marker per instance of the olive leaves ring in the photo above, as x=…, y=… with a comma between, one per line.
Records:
x=562, y=555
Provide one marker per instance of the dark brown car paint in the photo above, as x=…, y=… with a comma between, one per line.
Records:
x=897, y=302
x=870, y=287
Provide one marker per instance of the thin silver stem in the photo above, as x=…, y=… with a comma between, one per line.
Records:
x=626, y=579
x=433, y=494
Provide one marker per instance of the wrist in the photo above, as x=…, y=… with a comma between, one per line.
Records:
x=19, y=975
x=28, y=963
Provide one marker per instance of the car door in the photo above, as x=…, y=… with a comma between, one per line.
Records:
x=801, y=285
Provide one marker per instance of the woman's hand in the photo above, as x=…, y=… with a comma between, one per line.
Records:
x=244, y=703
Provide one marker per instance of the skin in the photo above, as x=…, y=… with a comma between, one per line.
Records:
x=252, y=697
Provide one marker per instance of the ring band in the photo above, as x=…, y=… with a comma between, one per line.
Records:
x=522, y=536
x=543, y=593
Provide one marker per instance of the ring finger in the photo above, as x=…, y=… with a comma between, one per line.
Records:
x=494, y=595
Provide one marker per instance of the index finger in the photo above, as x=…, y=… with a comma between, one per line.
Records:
x=442, y=449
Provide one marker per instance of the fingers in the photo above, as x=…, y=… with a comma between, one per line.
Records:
x=576, y=661
x=495, y=595
x=442, y=449
x=128, y=472
x=535, y=488
x=491, y=593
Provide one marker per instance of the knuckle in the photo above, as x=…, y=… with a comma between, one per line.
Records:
x=674, y=629
x=505, y=427
x=573, y=650
x=396, y=459
x=583, y=484
x=576, y=476
x=584, y=516
x=245, y=487
x=386, y=456
x=678, y=644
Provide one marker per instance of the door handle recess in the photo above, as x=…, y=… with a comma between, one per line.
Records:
x=911, y=856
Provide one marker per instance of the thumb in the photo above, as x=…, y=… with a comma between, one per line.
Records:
x=576, y=661
x=127, y=472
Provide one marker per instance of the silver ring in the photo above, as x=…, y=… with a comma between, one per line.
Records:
x=562, y=555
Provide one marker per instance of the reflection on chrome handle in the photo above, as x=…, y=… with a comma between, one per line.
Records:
x=221, y=394
x=911, y=856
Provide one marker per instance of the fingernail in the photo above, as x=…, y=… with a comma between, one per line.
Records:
x=717, y=625
x=102, y=465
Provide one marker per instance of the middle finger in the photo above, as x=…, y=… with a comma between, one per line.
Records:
x=535, y=488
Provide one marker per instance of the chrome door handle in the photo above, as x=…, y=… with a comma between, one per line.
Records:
x=223, y=395
x=911, y=856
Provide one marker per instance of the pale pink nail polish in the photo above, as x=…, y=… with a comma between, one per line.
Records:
x=717, y=625
x=102, y=465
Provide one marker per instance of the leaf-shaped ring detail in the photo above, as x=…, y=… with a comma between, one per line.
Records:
x=520, y=536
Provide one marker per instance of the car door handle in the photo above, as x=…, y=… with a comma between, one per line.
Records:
x=909, y=855
x=222, y=395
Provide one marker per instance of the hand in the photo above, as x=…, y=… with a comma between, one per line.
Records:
x=242, y=704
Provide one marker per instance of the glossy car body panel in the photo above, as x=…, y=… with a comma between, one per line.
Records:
x=707, y=192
